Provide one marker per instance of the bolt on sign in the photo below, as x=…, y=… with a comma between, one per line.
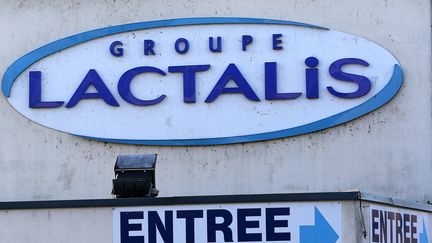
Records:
x=201, y=81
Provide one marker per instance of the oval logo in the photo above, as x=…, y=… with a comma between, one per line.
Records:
x=201, y=81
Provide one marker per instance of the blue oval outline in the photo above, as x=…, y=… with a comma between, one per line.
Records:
x=382, y=97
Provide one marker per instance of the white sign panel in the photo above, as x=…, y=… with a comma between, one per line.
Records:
x=239, y=222
x=202, y=81
x=398, y=225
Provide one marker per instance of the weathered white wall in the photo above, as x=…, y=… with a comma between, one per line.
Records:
x=387, y=152
x=57, y=225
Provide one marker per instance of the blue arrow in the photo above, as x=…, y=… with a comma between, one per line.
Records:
x=320, y=232
x=423, y=236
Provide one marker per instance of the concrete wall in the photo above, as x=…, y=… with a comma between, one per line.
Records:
x=57, y=225
x=386, y=152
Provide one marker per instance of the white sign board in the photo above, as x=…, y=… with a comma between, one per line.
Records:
x=398, y=225
x=237, y=222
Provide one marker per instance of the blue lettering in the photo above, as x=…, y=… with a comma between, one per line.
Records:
x=35, y=92
x=189, y=79
x=234, y=74
x=243, y=224
x=126, y=80
x=277, y=42
x=190, y=216
x=212, y=226
x=364, y=84
x=312, y=90
x=155, y=223
x=246, y=40
x=149, y=47
x=271, y=92
x=126, y=227
x=271, y=224
x=218, y=48
x=92, y=78
x=181, y=42
x=115, y=49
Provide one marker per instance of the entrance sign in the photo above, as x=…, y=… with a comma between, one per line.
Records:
x=239, y=222
x=391, y=225
x=201, y=81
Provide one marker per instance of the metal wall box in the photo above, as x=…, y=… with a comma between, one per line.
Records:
x=135, y=176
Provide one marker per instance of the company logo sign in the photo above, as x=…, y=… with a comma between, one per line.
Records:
x=201, y=81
